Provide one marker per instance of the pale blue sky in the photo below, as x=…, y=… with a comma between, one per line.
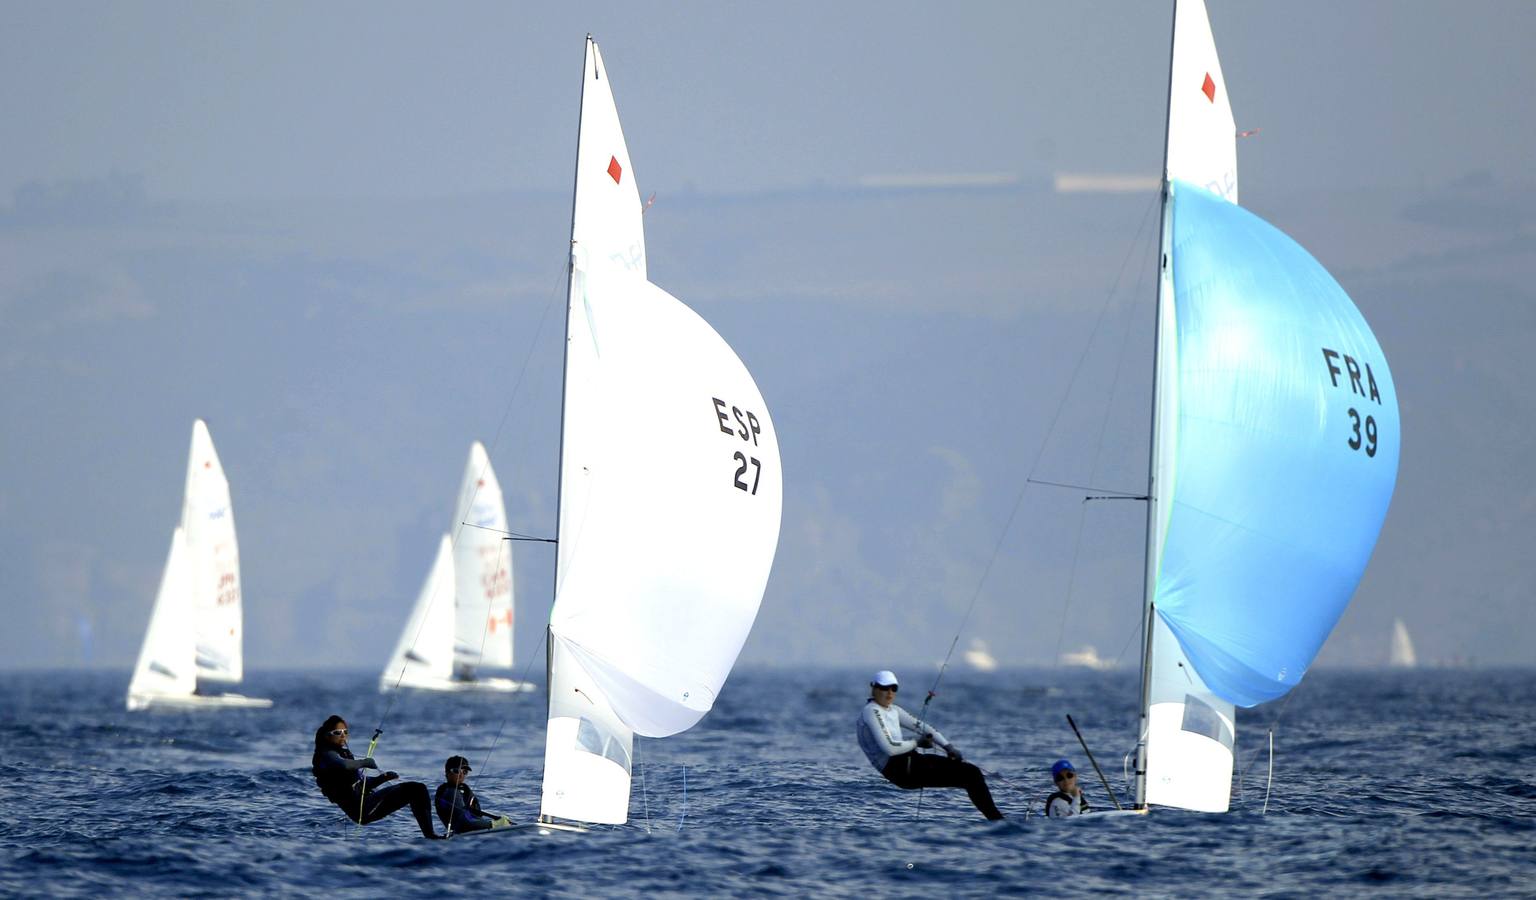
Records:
x=333, y=231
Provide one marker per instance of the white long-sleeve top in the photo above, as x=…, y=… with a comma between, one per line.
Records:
x=880, y=736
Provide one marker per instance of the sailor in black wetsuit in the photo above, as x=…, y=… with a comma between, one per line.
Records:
x=364, y=799
x=457, y=805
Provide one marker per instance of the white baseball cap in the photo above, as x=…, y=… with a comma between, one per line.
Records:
x=884, y=677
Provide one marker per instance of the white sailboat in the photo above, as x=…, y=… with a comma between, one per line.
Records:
x=1273, y=457
x=462, y=620
x=194, y=638
x=1402, y=655
x=670, y=496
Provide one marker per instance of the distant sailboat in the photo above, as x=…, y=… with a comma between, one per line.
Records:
x=1273, y=457
x=462, y=620
x=1402, y=656
x=670, y=496
x=194, y=636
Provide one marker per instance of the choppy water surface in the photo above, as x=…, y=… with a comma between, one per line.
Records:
x=1419, y=783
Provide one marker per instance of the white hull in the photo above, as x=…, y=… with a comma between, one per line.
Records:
x=137, y=702
x=450, y=685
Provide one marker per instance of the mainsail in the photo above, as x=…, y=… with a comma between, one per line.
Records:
x=1274, y=453
x=209, y=523
x=482, y=570
x=670, y=496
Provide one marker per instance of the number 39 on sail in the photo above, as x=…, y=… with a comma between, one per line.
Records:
x=1274, y=451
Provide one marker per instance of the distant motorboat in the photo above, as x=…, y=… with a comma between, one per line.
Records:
x=1087, y=658
x=979, y=657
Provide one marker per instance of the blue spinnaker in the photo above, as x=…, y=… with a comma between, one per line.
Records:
x=1285, y=451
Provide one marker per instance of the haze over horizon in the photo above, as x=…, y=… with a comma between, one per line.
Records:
x=338, y=235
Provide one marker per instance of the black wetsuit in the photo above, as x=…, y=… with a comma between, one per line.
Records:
x=367, y=800
x=919, y=770
x=460, y=810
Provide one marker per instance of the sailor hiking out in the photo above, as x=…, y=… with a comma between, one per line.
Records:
x=881, y=737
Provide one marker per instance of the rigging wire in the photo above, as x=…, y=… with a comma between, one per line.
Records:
x=1039, y=454
x=1098, y=452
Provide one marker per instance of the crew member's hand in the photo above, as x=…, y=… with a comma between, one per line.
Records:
x=389, y=776
x=925, y=741
x=367, y=763
x=954, y=754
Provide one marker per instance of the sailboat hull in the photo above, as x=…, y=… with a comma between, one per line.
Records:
x=139, y=702
x=450, y=685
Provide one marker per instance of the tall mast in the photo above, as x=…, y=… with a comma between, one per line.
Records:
x=565, y=359
x=1149, y=572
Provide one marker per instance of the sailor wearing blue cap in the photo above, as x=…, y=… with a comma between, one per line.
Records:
x=1068, y=798
x=895, y=756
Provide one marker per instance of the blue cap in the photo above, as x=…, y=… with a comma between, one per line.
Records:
x=1061, y=765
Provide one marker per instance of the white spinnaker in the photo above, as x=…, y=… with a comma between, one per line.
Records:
x=1202, y=137
x=1185, y=769
x=605, y=225
x=665, y=555
x=167, y=665
x=214, y=562
x=482, y=569
x=423, y=656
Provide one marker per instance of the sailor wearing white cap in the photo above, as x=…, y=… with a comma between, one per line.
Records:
x=895, y=756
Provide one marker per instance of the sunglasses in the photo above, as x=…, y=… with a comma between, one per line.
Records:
x=461, y=770
x=1065, y=775
x=886, y=687
x=339, y=732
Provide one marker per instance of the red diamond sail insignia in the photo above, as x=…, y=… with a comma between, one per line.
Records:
x=1209, y=89
x=614, y=169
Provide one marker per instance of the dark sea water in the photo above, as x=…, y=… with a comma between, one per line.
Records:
x=1388, y=784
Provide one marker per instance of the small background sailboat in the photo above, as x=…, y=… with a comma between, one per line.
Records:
x=1402, y=655
x=1274, y=451
x=195, y=638
x=462, y=620
x=670, y=496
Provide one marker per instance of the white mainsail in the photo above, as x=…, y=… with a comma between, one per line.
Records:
x=482, y=570
x=423, y=656
x=195, y=631
x=670, y=496
x=209, y=523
